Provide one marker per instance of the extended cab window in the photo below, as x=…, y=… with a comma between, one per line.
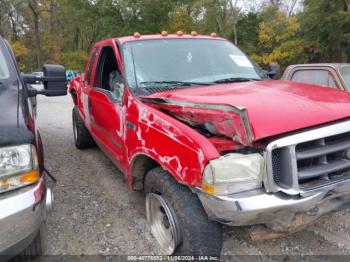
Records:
x=315, y=77
x=108, y=76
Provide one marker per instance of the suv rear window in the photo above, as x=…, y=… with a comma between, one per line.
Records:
x=320, y=77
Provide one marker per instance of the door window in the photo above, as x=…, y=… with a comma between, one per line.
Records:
x=108, y=76
x=315, y=77
x=91, y=65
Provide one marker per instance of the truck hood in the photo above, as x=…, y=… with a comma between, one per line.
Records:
x=271, y=107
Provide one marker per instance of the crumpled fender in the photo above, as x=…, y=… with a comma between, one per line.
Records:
x=176, y=146
x=220, y=120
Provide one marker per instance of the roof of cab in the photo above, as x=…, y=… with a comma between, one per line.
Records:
x=132, y=38
x=140, y=37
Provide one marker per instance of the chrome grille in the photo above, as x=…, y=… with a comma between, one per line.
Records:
x=323, y=160
x=310, y=160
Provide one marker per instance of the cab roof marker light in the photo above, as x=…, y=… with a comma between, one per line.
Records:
x=194, y=33
x=137, y=35
x=213, y=34
x=179, y=33
x=164, y=33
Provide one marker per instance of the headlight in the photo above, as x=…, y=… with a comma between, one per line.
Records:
x=18, y=167
x=233, y=173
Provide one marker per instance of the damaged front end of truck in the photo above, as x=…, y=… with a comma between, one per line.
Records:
x=209, y=119
x=283, y=182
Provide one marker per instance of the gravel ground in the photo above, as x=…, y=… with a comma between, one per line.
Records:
x=96, y=214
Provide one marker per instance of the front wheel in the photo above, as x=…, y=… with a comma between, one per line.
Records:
x=177, y=218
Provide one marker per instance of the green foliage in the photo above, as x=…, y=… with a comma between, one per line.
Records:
x=63, y=31
x=154, y=15
x=248, y=32
x=278, y=39
x=20, y=52
x=326, y=30
x=215, y=16
x=74, y=60
x=180, y=20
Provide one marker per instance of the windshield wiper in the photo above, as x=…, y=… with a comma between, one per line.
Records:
x=175, y=83
x=235, y=80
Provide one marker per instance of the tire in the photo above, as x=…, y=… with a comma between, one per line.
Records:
x=82, y=137
x=198, y=235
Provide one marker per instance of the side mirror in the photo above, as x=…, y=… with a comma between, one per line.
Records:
x=55, y=83
x=54, y=80
x=274, y=71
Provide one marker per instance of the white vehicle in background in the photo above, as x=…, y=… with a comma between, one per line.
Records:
x=40, y=74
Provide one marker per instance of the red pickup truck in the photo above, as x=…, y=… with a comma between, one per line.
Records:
x=193, y=123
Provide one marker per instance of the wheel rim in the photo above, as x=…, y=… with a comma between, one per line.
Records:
x=163, y=223
x=75, y=131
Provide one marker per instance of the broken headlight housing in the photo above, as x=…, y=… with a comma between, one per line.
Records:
x=18, y=167
x=233, y=173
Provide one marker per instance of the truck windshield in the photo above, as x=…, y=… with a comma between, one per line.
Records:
x=186, y=63
x=345, y=73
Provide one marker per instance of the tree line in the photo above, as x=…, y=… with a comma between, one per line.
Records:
x=282, y=31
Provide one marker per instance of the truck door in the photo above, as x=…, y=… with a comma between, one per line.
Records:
x=86, y=84
x=106, y=104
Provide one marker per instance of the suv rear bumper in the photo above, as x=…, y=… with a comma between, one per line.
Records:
x=21, y=215
x=278, y=211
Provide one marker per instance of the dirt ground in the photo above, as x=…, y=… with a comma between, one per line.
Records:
x=96, y=214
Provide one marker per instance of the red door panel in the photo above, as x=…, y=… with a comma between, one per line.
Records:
x=106, y=122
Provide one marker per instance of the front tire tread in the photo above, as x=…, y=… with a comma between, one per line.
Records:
x=201, y=236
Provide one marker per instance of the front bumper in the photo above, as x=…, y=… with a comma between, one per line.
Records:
x=278, y=211
x=21, y=215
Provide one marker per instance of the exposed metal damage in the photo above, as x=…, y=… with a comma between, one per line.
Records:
x=212, y=119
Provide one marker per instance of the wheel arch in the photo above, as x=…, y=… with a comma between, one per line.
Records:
x=73, y=86
x=141, y=164
x=74, y=96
